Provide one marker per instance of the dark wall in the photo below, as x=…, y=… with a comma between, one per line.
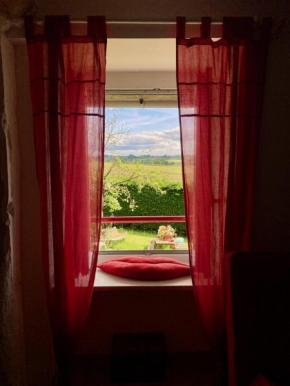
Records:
x=272, y=214
x=170, y=311
x=163, y=9
x=5, y=247
x=39, y=356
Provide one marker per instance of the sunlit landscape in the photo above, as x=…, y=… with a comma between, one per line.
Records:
x=142, y=177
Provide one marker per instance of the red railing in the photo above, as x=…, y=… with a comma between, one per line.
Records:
x=132, y=219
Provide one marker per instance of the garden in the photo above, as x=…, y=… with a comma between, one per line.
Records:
x=148, y=202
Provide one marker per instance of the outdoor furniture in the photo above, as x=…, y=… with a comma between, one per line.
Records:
x=112, y=234
x=160, y=242
x=151, y=244
x=181, y=246
x=157, y=244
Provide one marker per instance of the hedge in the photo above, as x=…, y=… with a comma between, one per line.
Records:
x=151, y=203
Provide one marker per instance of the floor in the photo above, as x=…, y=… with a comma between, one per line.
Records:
x=181, y=370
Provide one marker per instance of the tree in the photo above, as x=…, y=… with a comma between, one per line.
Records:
x=118, y=174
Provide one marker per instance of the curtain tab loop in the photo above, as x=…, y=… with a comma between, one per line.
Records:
x=97, y=26
x=180, y=27
x=57, y=26
x=205, y=27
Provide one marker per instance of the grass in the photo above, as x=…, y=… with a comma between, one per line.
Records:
x=173, y=173
x=136, y=239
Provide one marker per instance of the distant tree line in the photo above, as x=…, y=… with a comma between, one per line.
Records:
x=146, y=159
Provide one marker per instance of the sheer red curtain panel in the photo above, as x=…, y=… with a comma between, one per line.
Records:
x=67, y=83
x=220, y=91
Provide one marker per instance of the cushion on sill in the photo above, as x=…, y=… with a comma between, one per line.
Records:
x=145, y=268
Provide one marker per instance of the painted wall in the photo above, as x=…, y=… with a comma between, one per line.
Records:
x=162, y=10
x=5, y=251
x=272, y=216
x=39, y=355
x=170, y=311
x=12, y=348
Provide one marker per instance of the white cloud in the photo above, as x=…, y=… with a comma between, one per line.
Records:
x=150, y=142
x=144, y=119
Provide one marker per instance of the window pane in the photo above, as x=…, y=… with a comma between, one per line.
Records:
x=142, y=175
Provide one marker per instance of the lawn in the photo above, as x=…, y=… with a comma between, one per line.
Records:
x=173, y=173
x=135, y=240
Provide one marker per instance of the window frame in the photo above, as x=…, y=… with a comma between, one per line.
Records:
x=141, y=219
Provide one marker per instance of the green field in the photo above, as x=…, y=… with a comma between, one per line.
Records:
x=172, y=173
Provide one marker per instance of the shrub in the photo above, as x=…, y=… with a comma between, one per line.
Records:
x=152, y=203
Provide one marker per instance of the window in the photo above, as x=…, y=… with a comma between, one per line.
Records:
x=143, y=207
x=143, y=175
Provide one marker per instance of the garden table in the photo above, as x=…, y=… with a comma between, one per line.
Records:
x=160, y=242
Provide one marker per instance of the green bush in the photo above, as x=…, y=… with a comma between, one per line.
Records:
x=151, y=203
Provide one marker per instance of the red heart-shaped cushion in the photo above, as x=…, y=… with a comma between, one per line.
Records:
x=145, y=268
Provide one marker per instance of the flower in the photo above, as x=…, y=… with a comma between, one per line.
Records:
x=166, y=232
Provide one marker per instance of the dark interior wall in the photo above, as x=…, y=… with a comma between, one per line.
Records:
x=39, y=356
x=170, y=311
x=272, y=215
x=162, y=9
x=11, y=321
x=5, y=247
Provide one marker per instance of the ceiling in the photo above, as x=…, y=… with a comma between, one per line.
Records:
x=141, y=55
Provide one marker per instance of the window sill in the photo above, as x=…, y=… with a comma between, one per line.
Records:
x=107, y=282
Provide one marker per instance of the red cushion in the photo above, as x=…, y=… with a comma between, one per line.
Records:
x=145, y=268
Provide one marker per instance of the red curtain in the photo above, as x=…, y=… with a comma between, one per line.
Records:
x=220, y=91
x=67, y=81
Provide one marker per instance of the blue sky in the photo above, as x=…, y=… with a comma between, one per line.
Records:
x=153, y=131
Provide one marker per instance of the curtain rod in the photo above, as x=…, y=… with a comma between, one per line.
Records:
x=137, y=22
x=144, y=91
x=127, y=29
x=157, y=22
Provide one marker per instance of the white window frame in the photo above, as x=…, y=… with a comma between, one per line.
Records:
x=134, y=101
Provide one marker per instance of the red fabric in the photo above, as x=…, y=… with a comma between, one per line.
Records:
x=220, y=89
x=67, y=80
x=145, y=268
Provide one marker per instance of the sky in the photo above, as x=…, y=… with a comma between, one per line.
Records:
x=153, y=131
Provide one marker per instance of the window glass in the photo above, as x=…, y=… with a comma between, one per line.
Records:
x=143, y=177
